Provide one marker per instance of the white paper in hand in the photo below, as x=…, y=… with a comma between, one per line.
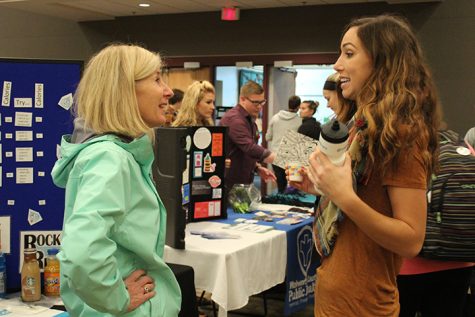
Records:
x=294, y=147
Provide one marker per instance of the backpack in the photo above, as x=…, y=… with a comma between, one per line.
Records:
x=450, y=232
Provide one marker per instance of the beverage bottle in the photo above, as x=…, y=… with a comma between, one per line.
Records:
x=30, y=277
x=333, y=142
x=51, y=274
x=3, y=275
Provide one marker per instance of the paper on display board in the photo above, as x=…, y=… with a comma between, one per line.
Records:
x=66, y=101
x=39, y=92
x=7, y=93
x=22, y=136
x=23, y=102
x=24, y=175
x=24, y=154
x=23, y=119
x=5, y=230
x=42, y=241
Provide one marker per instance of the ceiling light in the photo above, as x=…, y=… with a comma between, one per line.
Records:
x=144, y=5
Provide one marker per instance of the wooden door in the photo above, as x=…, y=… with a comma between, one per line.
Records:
x=181, y=78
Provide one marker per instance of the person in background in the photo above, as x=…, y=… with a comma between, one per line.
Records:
x=470, y=137
x=280, y=123
x=433, y=288
x=114, y=221
x=197, y=107
x=174, y=105
x=344, y=109
x=176, y=99
x=310, y=126
x=246, y=155
x=390, y=160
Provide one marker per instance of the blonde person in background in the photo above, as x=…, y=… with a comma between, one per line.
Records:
x=197, y=106
x=197, y=109
x=114, y=221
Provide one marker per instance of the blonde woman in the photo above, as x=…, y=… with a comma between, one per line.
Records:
x=197, y=107
x=114, y=220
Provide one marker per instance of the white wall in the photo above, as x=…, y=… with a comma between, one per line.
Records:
x=309, y=86
x=229, y=76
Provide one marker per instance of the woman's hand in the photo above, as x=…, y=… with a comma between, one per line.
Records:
x=140, y=287
x=305, y=185
x=333, y=181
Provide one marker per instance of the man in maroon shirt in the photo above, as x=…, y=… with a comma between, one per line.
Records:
x=245, y=154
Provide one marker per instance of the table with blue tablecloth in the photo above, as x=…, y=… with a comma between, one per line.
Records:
x=302, y=261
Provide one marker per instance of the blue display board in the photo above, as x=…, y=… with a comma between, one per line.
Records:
x=31, y=125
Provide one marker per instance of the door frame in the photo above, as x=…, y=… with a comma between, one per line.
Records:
x=267, y=60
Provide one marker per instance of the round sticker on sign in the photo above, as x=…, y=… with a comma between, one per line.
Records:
x=214, y=181
x=202, y=138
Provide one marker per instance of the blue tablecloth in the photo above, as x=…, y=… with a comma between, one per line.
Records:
x=302, y=260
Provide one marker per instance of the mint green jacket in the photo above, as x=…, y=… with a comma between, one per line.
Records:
x=114, y=224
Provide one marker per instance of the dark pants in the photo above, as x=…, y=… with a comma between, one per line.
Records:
x=436, y=294
x=186, y=279
x=281, y=179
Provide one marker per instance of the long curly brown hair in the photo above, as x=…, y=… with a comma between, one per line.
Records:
x=399, y=100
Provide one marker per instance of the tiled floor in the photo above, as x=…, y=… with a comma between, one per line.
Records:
x=255, y=307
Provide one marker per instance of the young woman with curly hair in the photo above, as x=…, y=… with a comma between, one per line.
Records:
x=381, y=188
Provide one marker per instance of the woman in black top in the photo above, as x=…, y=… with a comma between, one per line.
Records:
x=310, y=126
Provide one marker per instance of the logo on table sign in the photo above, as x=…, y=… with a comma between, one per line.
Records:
x=305, y=249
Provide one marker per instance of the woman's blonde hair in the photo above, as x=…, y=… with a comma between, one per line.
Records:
x=399, y=100
x=106, y=97
x=188, y=114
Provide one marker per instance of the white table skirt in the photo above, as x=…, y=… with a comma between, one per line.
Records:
x=232, y=269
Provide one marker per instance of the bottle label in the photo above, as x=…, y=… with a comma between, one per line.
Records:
x=29, y=287
x=52, y=284
x=30, y=281
x=334, y=151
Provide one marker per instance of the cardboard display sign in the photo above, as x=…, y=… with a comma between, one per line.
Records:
x=189, y=173
x=204, y=177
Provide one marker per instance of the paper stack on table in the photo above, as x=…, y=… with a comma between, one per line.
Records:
x=15, y=307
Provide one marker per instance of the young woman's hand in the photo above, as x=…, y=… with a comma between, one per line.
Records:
x=140, y=287
x=333, y=181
